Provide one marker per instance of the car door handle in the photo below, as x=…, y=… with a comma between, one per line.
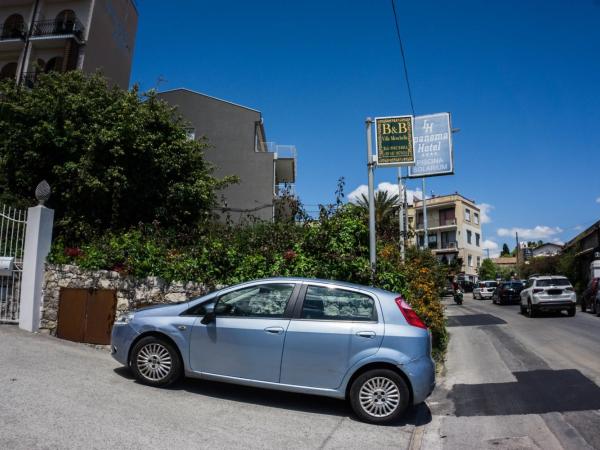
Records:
x=366, y=334
x=274, y=330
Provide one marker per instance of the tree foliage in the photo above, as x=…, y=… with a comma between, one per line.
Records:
x=112, y=157
x=487, y=270
x=333, y=247
x=505, y=250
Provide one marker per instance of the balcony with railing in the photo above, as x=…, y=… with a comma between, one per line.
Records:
x=55, y=28
x=285, y=163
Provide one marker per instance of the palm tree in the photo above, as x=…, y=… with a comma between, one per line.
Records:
x=386, y=206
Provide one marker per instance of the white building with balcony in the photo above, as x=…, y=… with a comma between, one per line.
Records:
x=39, y=36
x=453, y=229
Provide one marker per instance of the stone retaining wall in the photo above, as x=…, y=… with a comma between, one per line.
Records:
x=131, y=292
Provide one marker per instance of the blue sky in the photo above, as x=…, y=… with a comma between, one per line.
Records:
x=520, y=78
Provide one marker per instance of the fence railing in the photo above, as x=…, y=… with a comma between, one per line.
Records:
x=58, y=28
x=13, y=224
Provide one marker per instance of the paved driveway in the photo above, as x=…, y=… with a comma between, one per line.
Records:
x=58, y=394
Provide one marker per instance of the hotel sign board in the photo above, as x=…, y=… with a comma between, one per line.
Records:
x=433, y=146
x=394, y=141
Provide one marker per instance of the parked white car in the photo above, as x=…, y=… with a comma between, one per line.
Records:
x=485, y=289
x=548, y=293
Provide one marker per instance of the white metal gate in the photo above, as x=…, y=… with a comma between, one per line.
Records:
x=13, y=223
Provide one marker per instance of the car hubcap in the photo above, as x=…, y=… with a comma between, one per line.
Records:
x=379, y=397
x=154, y=362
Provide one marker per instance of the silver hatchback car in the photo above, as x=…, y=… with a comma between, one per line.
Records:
x=311, y=336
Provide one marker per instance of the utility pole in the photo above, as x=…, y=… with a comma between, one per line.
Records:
x=517, y=238
x=371, y=169
x=401, y=212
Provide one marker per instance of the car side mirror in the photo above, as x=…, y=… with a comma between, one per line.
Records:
x=210, y=315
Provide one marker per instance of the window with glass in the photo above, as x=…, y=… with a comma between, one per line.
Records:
x=469, y=236
x=479, y=261
x=264, y=300
x=447, y=217
x=476, y=218
x=323, y=303
x=448, y=239
x=470, y=259
x=467, y=214
x=432, y=241
x=477, y=239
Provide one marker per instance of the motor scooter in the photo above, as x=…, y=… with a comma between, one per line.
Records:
x=458, y=297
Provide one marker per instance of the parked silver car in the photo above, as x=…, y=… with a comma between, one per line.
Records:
x=302, y=335
x=548, y=293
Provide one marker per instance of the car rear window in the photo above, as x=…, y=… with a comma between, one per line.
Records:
x=553, y=282
x=491, y=284
x=513, y=285
x=323, y=303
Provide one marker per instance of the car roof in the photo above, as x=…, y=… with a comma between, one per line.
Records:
x=371, y=289
x=548, y=277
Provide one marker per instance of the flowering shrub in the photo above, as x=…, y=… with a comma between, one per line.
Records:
x=334, y=247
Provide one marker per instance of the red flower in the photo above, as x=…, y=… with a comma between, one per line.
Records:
x=73, y=252
x=288, y=255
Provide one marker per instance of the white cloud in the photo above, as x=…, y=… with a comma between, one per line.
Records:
x=390, y=188
x=484, y=209
x=539, y=232
x=492, y=246
x=598, y=200
x=558, y=241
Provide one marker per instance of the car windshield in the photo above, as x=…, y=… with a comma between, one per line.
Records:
x=553, y=282
x=513, y=285
x=490, y=284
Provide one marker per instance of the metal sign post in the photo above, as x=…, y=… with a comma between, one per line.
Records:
x=371, y=169
x=401, y=212
x=425, y=236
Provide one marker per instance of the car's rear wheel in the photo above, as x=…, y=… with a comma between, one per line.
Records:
x=379, y=396
x=583, y=308
x=155, y=362
x=571, y=311
x=523, y=309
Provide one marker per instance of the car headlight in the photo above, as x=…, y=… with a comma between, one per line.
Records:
x=125, y=318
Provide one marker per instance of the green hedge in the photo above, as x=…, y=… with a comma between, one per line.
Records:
x=333, y=247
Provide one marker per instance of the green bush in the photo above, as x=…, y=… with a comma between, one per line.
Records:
x=333, y=247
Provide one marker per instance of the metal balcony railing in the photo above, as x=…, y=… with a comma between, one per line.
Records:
x=13, y=32
x=43, y=28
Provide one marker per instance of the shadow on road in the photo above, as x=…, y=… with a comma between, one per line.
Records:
x=416, y=415
x=472, y=320
x=534, y=392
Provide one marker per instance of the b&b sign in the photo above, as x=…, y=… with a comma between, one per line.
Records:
x=394, y=141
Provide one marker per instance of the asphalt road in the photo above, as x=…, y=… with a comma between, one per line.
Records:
x=509, y=382
x=514, y=382
x=56, y=394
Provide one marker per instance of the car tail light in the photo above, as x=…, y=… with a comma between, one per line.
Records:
x=537, y=290
x=409, y=314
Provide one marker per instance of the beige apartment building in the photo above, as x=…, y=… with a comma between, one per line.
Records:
x=39, y=36
x=453, y=228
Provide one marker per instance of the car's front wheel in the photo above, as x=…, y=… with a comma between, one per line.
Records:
x=155, y=362
x=530, y=310
x=379, y=396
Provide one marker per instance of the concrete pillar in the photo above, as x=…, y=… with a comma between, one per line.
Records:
x=38, y=238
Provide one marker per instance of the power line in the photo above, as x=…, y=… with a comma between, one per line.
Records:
x=412, y=106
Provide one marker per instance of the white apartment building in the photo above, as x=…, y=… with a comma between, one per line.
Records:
x=57, y=35
x=453, y=228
